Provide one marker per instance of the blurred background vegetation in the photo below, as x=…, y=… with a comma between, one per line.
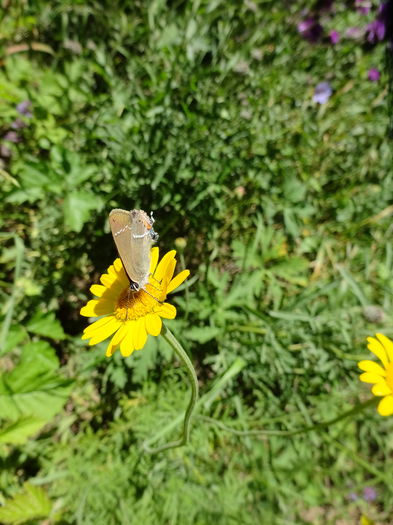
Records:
x=202, y=111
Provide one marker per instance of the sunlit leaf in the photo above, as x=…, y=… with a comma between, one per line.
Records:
x=31, y=504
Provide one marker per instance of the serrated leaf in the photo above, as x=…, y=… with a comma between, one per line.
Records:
x=47, y=325
x=291, y=269
x=144, y=361
x=77, y=207
x=33, y=388
x=35, y=176
x=17, y=432
x=294, y=189
x=33, y=503
x=16, y=335
x=203, y=334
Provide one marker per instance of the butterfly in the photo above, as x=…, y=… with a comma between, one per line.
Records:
x=134, y=236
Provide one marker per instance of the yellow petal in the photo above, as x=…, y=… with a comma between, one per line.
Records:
x=114, y=291
x=127, y=345
x=89, y=330
x=153, y=324
x=370, y=378
x=180, y=277
x=97, y=307
x=381, y=389
x=107, y=280
x=387, y=344
x=118, y=265
x=114, y=280
x=140, y=335
x=120, y=334
x=112, y=294
x=376, y=348
x=170, y=269
x=154, y=253
x=105, y=331
x=118, y=272
x=97, y=289
x=112, y=271
x=385, y=407
x=372, y=367
x=123, y=279
x=163, y=265
x=111, y=348
x=166, y=310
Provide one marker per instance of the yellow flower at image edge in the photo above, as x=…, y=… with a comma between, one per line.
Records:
x=131, y=316
x=380, y=376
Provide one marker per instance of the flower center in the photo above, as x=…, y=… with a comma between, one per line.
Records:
x=133, y=305
x=389, y=375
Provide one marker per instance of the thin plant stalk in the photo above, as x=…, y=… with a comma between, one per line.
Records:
x=182, y=354
x=304, y=430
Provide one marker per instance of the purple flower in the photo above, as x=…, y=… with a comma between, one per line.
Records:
x=23, y=108
x=376, y=31
x=11, y=136
x=363, y=6
x=334, y=36
x=310, y=29
x=322, y=92
x=18, y=124
x=369, y=493
x=373, y=74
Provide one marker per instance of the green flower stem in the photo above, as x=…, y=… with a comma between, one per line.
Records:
x=205, y=401
x=181, y=353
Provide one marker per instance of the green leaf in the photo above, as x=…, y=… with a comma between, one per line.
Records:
x=35, y=175
x=47, y=325
x=144, y=361
x=77, y=207
x=34, y=387
x=294, y=189
x=33, y=503
x=292, y=269
x=17, y=432
x=15, y=336
x=203, y=334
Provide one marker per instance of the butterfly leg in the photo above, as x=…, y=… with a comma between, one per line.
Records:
x=128, y=300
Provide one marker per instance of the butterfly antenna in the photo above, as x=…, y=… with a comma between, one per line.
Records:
x=152, y=296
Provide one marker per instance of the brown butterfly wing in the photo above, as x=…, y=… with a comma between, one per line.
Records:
x=133, y=235
x=142, y=240
x=120, y=223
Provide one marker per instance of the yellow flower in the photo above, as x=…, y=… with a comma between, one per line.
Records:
x=380, y=376
x=131, y=316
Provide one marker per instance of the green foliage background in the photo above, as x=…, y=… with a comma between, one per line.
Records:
x=201, y=111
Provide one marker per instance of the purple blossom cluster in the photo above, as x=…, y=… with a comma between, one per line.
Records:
x=311, y=29
x=322, y=92
x=376, y=30
x=369, y=494
x=363, y=6
x=11, y=136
